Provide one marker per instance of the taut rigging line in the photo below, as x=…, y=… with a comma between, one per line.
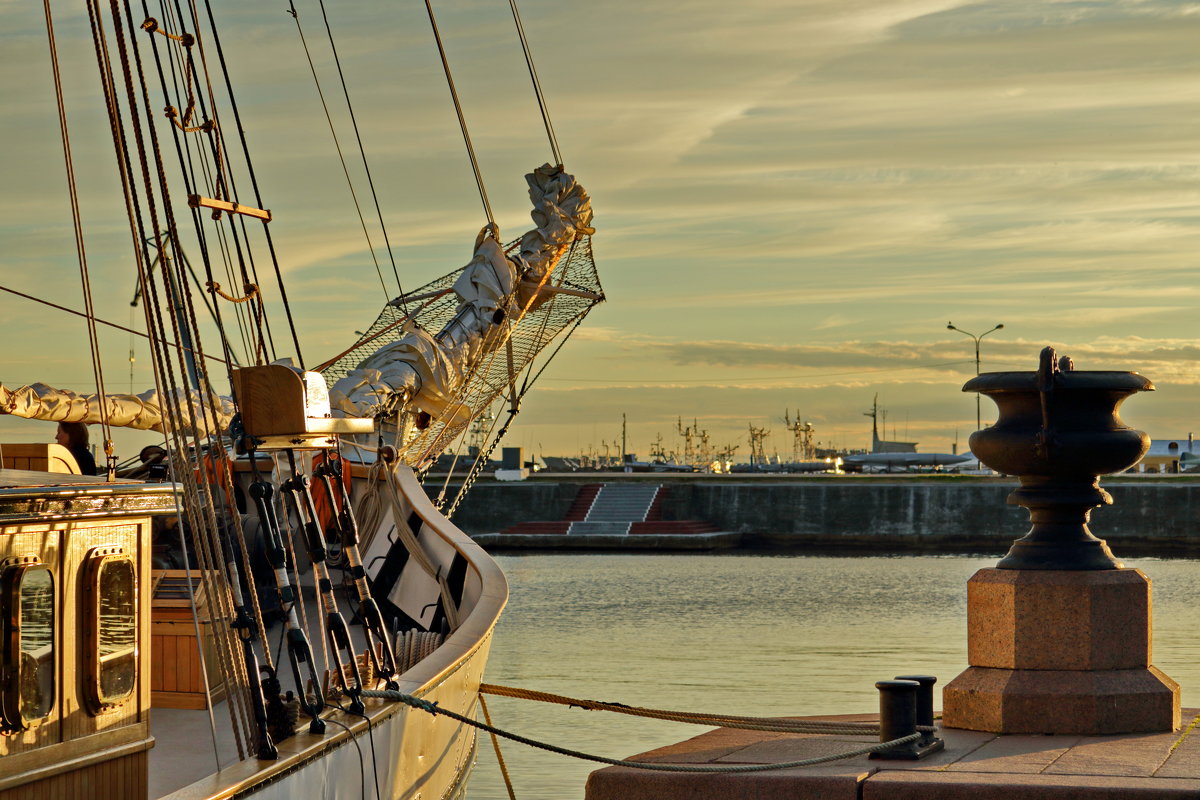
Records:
x=254, y=181
x=362, y=152
x=338, y=146
x=537, y=84
x=100, y=321
x=81, y=253
x=462, y=120
x=220, y=180
x=160, y=357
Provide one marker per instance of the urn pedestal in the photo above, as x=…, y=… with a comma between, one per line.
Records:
x=1060, y=651
x=1058, y=634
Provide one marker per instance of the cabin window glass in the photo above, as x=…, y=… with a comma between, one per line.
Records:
x=29, y=655
x=114, y=634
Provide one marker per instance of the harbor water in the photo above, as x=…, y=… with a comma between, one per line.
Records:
x=752, y=634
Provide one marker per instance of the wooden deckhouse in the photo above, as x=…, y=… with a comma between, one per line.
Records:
x=75, y=687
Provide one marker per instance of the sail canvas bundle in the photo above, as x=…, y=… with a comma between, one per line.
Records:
x=495, y=291
x=148, y=411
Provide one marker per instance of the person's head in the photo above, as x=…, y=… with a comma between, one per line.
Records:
x=72, y=435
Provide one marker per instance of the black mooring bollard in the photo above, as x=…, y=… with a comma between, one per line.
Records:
x=898, y=718
x=924, y=705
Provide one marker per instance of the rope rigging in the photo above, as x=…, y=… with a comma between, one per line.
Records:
x=485, y=454
x=80, y=249
x=220, y=184
x=482, y=376
x=183, y=83
x=338, y=146
x=537, y=84
x=220, y=542
x=361, y=149
x=159, y=358
x=213, y=161
x=462, y=120
x=482, y=457
x=192, y=416
x=101, y=321
x=233, y=105
x=233, y=240
x=576, y=290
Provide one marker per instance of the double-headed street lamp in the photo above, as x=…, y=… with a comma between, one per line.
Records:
x=950, y=326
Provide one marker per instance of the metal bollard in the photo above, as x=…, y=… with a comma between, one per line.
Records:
x=898, y=718
x=924, y=705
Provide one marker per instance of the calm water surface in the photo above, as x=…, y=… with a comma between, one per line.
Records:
x=767, y=635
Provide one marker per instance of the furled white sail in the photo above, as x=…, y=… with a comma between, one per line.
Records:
x=145, y=411
x=427, y=372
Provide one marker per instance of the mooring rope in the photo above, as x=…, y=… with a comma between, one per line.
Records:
x=435, y=709
x=487, y=717
x=720, y=720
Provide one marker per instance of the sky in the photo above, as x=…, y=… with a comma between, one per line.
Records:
x=792, y=199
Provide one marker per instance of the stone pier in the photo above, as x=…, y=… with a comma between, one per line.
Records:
x=975, y=765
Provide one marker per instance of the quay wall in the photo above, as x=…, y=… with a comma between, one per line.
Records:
x=491, y=507
x=1148, y=516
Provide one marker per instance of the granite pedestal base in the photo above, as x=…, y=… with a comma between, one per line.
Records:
x=1055, y=651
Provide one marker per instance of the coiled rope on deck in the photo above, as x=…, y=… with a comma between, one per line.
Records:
x=435, y=709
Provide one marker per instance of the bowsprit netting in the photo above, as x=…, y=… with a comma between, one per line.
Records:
x=571, y=290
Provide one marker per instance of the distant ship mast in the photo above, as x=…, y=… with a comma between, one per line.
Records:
x=803, y=448
x=758, y=456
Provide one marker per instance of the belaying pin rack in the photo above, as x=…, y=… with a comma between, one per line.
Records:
x=284, y=408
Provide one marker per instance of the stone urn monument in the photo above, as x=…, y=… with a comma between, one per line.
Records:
x=1058, y=633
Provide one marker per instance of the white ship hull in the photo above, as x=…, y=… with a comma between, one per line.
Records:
x=409, y=752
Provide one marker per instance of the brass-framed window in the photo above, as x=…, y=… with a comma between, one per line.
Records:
x=111, y=628
x=29, y=687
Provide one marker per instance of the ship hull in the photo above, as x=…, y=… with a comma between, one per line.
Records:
x=408, y=752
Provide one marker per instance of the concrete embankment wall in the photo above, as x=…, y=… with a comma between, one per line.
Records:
x=934, y=516
x=1148, y=516
x=492, y=507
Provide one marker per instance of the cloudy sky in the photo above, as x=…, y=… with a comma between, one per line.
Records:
x=792, y=198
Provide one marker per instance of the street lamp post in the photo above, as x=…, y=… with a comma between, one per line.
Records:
x=951, y=326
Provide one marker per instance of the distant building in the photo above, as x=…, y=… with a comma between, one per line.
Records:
x=882, y=445
x=561, y=464
x=1170, y=455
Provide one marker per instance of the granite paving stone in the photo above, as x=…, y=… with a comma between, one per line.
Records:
x=781, y=750
x=1015, y=754
x=1184, y=760
x=1132, y=755
x=990, y=786
x=622, y=783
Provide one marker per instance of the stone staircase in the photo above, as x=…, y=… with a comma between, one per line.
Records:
x=615, y=509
